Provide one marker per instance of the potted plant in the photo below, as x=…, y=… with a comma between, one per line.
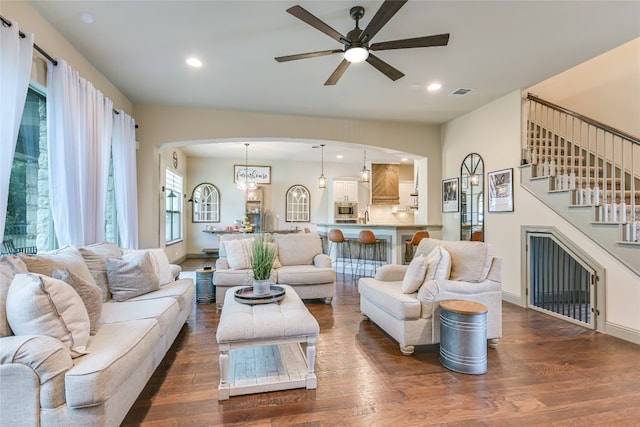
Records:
x=262, y=257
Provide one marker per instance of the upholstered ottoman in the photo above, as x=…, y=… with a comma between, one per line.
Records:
x=260, y=345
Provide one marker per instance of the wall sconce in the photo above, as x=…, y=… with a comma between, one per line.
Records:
x=365, y=173
x=322, y=180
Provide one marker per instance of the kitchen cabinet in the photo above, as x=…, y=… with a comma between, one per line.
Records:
x=345, y=191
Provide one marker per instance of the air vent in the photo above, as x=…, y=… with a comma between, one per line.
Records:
x=460, y=92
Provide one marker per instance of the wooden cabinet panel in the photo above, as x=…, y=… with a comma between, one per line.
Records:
x=385, y=182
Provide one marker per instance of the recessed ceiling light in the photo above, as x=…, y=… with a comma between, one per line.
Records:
x=339, y=156
x=86, y=18
x=404, y=159
x=194, y=62
x=433, y=87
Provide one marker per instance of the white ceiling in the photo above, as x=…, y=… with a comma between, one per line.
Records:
x=495, y=47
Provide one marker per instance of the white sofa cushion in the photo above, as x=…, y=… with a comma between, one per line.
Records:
x=239, y=253
x=68, y=257
x=95, y=256
x=414, y=275
x=41, y=305
x=470, y=261
x=181, y=290
x=389, y=297
x=298, y=249
x=305, y=275
x=159, y=260
x=115, y=353
x=438, y=264
x=90, y=294
x=10, y=265
x=131, y=276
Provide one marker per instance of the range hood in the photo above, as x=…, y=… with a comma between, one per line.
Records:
x=385, y=184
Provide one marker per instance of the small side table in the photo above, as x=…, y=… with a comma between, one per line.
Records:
x=463, y=336
x=204, y=286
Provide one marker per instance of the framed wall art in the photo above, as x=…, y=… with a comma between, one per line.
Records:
x=257, y=174
x=501, y=190
x=450, y=195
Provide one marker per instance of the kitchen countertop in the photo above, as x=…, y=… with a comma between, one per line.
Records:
x=372, y=225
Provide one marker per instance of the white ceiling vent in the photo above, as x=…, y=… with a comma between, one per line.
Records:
x=460, y=92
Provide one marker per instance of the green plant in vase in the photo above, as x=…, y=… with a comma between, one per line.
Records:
x=262, y=258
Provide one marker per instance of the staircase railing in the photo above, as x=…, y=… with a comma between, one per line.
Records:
x=598, y=164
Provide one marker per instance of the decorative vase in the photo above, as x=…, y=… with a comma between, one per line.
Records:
x=261, y=287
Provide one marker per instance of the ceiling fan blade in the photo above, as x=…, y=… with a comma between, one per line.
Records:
x=427, y=41
x=307, y=55
x=382, y=16
x=335, y=76
x=385, y=68
x=305, y=16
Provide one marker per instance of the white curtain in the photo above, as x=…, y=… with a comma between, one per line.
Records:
x=79, y=127
x=15, y=70
x=125, y=178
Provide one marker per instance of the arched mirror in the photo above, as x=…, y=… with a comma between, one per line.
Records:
x=205, y=201
x=472, y=198
x=297, y=204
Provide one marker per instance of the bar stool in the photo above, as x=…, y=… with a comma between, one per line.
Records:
x=342, y=245
x=369, y=243
x=415, y=241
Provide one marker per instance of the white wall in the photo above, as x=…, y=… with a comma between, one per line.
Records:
x=493, y=131
x=613, y=79
x=52, y=42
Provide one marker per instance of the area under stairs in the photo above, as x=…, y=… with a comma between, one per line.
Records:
x=588, y=174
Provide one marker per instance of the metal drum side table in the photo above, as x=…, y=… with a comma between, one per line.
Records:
x=204, y=286
x=463, y=336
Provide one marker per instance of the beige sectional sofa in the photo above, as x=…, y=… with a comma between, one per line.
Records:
x=300, y=263
x=403, y=300
x=52, y=371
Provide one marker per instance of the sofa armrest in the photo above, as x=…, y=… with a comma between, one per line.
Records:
x=391, y=272
x=322, y=261
x=222, y=264
x=48, y=358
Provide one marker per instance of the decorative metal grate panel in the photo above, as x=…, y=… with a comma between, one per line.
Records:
x=559, y=282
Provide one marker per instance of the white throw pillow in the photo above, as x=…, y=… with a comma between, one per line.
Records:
x=159, y=260
x=90, y=294
x=132, y=276
x=41, y=305
x=10, y=265
x=438, y=264
x=414, y=275
x=239, y=253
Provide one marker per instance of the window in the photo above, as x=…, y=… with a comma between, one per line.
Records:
x=29, y=224
x=297, y=204
x=173, y=206
x=206, y=203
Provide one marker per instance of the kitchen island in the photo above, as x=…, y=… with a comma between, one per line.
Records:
x=393, y=235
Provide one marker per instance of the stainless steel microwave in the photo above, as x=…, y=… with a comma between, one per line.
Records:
x=346, y=210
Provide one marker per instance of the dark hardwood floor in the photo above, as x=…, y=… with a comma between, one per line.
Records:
x=544, y=372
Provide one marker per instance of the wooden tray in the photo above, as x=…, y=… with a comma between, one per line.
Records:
x=245, y=295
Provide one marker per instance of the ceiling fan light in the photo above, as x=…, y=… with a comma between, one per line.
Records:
x=356, y=54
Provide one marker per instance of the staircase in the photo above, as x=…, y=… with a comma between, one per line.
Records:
x=588, y=173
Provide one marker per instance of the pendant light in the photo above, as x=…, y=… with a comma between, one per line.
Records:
x=322, y=180
x=246, y=184
x=365, y=173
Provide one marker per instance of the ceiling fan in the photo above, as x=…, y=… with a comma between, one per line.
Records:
x=356, y=43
